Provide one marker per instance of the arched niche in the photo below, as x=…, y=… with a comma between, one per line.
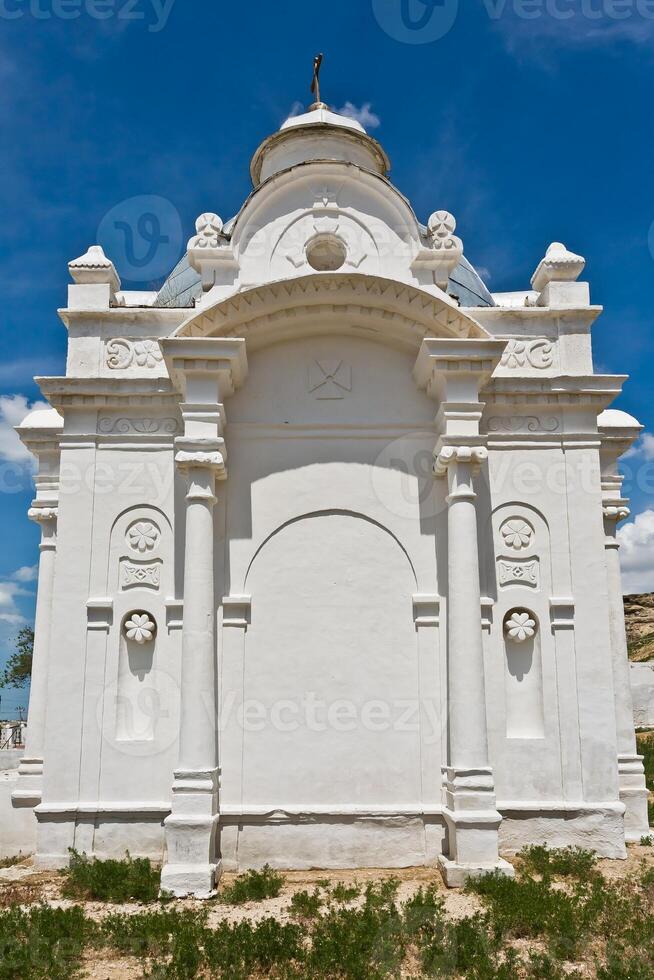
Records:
x=330, y=668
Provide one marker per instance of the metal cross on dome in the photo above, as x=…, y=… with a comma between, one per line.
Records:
x=315, y=84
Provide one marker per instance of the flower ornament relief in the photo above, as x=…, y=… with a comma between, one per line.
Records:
x=147, y=353
x=517, y=534
x=520, y=626
x=139, y=627
x=143, y=536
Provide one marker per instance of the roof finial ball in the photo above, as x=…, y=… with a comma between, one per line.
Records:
x=315, y=84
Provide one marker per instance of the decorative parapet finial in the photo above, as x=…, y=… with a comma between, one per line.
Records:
x=210, y=253
x=445, y=251
x=96, y=280
x=555, y=276
x=209, y=232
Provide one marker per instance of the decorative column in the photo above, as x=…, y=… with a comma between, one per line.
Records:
x=205, y=371
x=453, y=371
x=40, y=432
x=618, y=431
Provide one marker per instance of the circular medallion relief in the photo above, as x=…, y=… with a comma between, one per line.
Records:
x=517, y=534
x=326, y=253
x=519, y=625
x=143, y=536
x=140, y=627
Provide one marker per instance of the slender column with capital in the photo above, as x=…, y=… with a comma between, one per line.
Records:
x=205, y=371
x=40, y=432
x=453, y=372
x=30, y=771
x=471, y=813
x=631, y=772
x=192, y=866
x=618, y=431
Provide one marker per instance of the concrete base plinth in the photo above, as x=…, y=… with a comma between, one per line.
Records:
x=456, y=875
x=190, y=880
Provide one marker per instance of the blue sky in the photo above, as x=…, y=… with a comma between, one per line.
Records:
x=530, y=120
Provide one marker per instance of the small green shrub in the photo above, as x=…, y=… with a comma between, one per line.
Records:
x=366, y=943
x=563, y=862
x=423, y=913
x=236, y=952
x=344, y=893
x=42, y=943
x=9, y=862
x=253, y=886
x=132, y=879
x=305, y=905
x=151, y=933
x=529, y=909
x=647, y=841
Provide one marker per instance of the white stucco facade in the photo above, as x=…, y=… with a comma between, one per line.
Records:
x=329, y=574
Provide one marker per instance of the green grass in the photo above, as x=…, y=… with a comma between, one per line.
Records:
x=559, y=919
x=132, y=879
x=253, y=887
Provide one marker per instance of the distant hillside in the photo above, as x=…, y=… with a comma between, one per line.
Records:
x=639, y=617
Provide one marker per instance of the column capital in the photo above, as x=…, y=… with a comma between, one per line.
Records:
x=455, y=370
x=41, y=513
x=196, y=358
x=208, y=454
x=446, y=455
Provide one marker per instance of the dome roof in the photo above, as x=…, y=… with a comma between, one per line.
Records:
x=42, y=418
x=319, y=134
x=321, y=114
x=613, y=418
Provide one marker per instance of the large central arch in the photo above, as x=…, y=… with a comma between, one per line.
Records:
x=395, y=313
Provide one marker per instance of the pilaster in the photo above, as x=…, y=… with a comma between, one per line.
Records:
x=454, y=372
x=44, y=443
x=205, y=371
x=616, y=439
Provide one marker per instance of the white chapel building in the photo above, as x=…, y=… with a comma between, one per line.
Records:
x=329, y=574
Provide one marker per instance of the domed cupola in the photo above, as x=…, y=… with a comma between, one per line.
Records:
x=318, y=135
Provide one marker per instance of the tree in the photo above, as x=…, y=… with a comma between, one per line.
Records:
x=19, y=666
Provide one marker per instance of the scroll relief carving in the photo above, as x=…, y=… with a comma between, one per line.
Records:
x=143, y=536
x=140, y=574
x=123, y=426
x=538, y=354
x=122, y=353
x=522, y=423
x=518, y=572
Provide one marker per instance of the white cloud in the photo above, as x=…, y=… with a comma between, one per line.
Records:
x=13, y=409
x=637, y=553
x=9, y=611
x=362, y=114
x=28, y=573
x=643, y=448
x=297, y=109
x=549, y=25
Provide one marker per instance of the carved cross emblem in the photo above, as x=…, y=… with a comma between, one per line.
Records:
x=329, y=380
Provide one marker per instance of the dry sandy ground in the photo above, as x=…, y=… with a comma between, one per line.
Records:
x=22, y=884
